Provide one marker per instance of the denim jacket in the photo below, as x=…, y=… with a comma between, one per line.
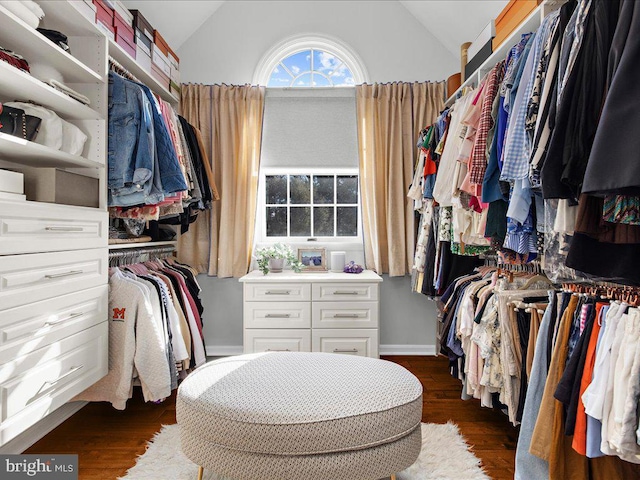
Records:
x=165, y=153
x=130, y=146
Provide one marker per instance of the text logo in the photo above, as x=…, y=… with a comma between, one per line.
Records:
x=118, y=313
x=49, y=467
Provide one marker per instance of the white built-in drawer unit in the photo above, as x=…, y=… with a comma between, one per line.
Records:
x=319, y=312
x=25, y=279
x=29, y=327
x=35, y=384
x=31, y=227
x=277, y=340
x=363, y=342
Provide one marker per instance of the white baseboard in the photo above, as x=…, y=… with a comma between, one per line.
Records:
x=228, y=350
x=408, y=350
x=40, y=429
x=224, y=350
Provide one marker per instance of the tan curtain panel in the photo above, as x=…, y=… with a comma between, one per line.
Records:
x=230, y=121
x=390, y=116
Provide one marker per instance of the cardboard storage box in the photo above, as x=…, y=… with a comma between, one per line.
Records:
x=174, y=88
x=11, y=182
x=143, y=42
x=159, y=75
x=58, y=186
x=143, y=59
x=160, y=60
x=511, y=16
x=124, y=35
x=124, y=12
x=161, y=43
x=104, y=16
x=142, y=24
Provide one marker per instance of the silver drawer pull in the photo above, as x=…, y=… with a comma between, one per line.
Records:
x=275, y=350
x=278, y=292
x=339, y=350
x=61, y=320
x=65, y=274
x=64, y=375
x=64, y=229
x=277, y=315
x=343, y=292
x=346, y=315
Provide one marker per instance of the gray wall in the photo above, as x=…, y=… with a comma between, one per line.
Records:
x=407, y=320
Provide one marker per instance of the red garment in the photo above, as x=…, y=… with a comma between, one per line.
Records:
x=579, y=443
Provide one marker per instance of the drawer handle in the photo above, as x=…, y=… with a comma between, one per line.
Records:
x=64, y=375
x=346, y=315
x=278, y=292
x=65, y=274
x=64, y=229
x=277, y=315
x=340, y=350
x=344, y=292
x=61, y=320
x=275, y=350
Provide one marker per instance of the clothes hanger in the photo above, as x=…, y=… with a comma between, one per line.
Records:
x=534, y=279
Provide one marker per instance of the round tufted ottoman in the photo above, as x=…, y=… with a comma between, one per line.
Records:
x=301, y=416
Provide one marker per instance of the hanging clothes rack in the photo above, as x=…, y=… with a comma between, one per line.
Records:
x=120, y=70
x=139, y=255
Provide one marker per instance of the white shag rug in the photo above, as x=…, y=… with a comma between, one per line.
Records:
x=444, y=456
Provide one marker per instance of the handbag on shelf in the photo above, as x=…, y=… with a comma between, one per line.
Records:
x=14, y=121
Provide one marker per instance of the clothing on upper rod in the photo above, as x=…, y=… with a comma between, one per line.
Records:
x=155, y=327
x=503, y=167
x=157, y=167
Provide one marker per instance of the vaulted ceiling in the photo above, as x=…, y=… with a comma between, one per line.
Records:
x=450, y=21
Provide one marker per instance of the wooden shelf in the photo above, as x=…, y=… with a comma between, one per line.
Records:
x=122, y=57
x=36, y=48
x=17, y=150
x=123, y=246
x=530, y=24
x=18, y=85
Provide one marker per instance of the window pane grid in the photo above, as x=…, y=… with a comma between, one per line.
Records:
x=335, y=219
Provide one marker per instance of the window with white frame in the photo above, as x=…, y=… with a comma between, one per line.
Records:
x=311, y=68
x=308, y=204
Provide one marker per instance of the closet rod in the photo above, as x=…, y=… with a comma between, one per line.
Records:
x=120, y=70
x=139, y=255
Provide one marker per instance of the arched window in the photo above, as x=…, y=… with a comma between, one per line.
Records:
x=310, y=62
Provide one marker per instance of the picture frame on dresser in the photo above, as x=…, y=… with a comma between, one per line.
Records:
x=313, y=259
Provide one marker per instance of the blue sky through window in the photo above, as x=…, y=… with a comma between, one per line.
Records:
x=311, y=68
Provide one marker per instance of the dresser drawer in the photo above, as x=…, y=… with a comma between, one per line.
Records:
x=347, y=342
x=344, y=292
x=31, y=227
x=345, y=315
x=277, y=315
x=29, y=327
x=43, y=380
x=29, y=278
x=277, y=292
x=274, y=340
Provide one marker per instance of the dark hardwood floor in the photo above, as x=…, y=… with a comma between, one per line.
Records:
x=108, y=441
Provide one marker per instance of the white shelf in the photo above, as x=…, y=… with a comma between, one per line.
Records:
x=36, y=48
x=62, y=15
x=18, y=85
x=124, y=246
x=529, y=24
x=122, y=57
x=17, y=150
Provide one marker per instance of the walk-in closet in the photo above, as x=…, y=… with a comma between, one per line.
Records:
x=319, y=240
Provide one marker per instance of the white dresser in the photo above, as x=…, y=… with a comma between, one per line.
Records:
x=311, y=312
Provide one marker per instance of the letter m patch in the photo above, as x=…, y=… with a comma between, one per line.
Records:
x=118, y=313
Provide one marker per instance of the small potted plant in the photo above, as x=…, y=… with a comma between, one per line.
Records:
x=272, y=258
